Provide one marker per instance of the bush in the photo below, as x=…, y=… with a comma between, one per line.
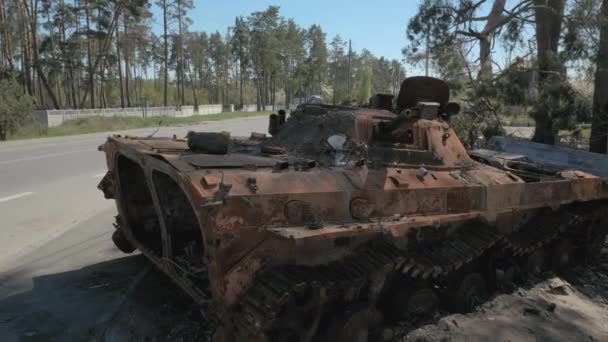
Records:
x=15, y=107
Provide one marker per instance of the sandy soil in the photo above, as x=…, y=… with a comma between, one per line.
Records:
x=552, y=310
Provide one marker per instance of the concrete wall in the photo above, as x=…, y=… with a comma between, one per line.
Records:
x=54, y=118
x=254, y=108
x=208, y=109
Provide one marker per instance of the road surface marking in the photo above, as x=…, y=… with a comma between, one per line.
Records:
x=99, y=175
x=50, y=155
x=10, y=198
x=35, y=144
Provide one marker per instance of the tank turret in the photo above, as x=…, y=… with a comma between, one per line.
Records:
x=416, y=132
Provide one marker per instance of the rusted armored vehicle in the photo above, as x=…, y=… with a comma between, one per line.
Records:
x=346, y=219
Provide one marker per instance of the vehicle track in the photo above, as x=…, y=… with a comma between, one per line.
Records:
x=380, y=285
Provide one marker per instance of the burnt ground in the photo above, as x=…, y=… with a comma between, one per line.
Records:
x=156, y=310
x=573, y=307
x=124, y=298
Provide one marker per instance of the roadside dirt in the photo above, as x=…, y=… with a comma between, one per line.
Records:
x=140, y=305
x=156, y=310
x=569, y=308
x=552, y=310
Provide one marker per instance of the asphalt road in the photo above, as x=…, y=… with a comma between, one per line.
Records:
x=60, y=274
x=48, y=186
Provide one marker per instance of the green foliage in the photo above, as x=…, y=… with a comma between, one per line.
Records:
x=15, y=107
x=365, y=92
x=564, y=105
x=513, y=86
x=581, y=33
x=431, y=24
x=474, y=130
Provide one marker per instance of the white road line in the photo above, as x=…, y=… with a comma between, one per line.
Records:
x=13, y=197
x=99, y=175
x=50, y=155
x=35, y=144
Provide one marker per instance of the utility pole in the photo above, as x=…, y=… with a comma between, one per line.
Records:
x=350, y=53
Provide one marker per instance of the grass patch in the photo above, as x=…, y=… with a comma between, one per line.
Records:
x=96, y=124
x=585, y=133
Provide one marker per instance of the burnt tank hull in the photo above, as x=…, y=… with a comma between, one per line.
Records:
x=389, y=226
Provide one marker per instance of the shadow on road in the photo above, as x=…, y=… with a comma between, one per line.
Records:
x=64, y=306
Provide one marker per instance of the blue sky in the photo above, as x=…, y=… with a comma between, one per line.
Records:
x=376, y=25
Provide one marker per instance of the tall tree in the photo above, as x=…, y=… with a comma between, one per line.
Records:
x=365, y=92
x=180, y=14
x=265, y=51
x=599, y=129
x=240, y=50
x=551, y=72
x=292, y=57
x=337, y=61
x=219, y=52
x=317, y=57
x=164, y=5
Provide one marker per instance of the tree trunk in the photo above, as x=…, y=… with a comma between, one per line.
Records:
x=41, y=93
x=119, y=65
x=75, y=96
x=598, y=142
x=31, y=17
x=266, y=91
x=89, y=57
x=494, y=22
x=67, y=61
x=127, y=65
x=273, y=90
x=25, y=47
x=56, y=78
x=3, y=130
x=242, y=76
x=335, y=81
x=166, y=50
x=350, y=51
x=77, y=71
x=485, y=57
x=103, y=101
x=6, y=39
x=180, y=52
x=548, y=15
x=258, y=93
x=193, y=83
x=104, y=48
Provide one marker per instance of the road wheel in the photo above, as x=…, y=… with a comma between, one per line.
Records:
x=300, y=319
x=417, y=302
x=355, y=325
x=536, y=263
x=471, y=292
x=596, y=238
x=121, y=242
x=563, y=255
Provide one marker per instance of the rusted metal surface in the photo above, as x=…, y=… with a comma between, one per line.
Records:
x=295, y=218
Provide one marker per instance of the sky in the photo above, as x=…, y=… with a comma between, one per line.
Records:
x=377, y=25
